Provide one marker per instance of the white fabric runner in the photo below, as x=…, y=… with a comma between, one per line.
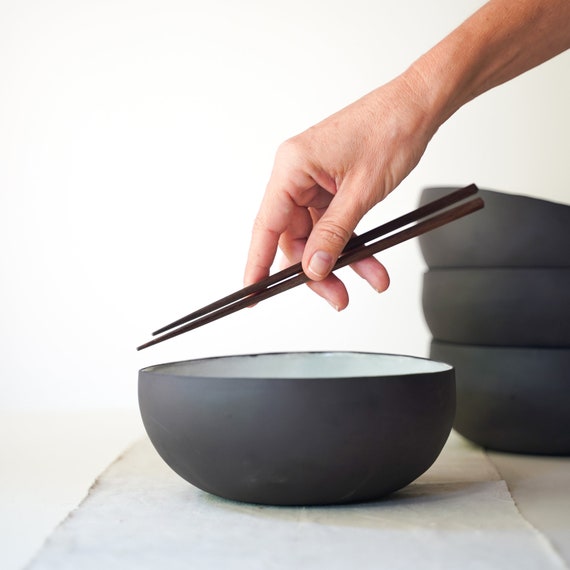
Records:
x=139, y=515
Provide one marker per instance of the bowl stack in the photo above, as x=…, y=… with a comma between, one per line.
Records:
x=496, y=298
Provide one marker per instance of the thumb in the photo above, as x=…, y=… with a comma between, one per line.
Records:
x=330, y=235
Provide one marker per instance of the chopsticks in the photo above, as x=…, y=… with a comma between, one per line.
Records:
x=436, y=214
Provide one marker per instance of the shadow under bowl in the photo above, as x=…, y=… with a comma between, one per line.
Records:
x=511, y=399
x=308, y=428
x=510, y=231
x=498, y=307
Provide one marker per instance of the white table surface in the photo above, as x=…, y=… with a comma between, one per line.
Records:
x=50, y=460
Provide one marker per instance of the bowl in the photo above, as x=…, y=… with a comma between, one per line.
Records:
x=498, y=307
x=511, y=398
x=510, y=231
x=306, y=428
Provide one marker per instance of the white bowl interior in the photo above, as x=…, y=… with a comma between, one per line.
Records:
x=303, y=365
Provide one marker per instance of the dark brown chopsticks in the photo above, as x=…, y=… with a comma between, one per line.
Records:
x=436, y=214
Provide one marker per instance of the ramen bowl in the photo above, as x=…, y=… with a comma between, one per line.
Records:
x=306, y=428
x=499, y=306
x=513, y=399
x=511, y=231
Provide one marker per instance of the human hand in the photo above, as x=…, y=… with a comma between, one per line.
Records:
x=325, y=179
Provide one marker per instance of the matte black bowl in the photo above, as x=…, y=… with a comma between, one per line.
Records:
x=511, y=399
x=498, y=307
x=299, y=428
x=510, y=231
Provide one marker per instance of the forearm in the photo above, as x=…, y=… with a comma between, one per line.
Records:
x=502, y=40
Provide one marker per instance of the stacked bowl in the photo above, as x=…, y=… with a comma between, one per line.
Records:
x=496, y=298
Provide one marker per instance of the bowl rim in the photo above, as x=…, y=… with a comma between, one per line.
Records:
x=499, y=194
x=424, y=366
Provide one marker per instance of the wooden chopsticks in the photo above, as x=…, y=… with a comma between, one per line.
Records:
x=436, y=214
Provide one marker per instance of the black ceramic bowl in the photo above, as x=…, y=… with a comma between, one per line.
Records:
x=499, y=307
x=299, y=428
x=511, y=399
x=510, y=231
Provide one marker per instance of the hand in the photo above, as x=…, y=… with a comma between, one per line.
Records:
x=325, y=179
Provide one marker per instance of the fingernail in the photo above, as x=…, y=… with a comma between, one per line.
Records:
x=335, y=307
x=320, y=263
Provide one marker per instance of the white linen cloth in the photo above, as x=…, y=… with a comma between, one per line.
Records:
x=140, y=515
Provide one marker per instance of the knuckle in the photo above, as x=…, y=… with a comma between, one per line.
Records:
x=286, y=149
x=291, y=150
x=333, y=233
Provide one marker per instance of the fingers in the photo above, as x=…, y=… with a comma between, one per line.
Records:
x=332, y=231
x=331, y=288
x=276, y=212
x=262, y=250
x=285, y=208
x=373, y=272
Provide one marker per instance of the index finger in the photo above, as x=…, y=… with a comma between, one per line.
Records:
x=271, y=221
x=262, y=251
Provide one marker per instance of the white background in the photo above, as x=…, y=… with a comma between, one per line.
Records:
x=136, y=138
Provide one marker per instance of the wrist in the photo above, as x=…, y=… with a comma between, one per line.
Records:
x=445, y=77
x=497, y=43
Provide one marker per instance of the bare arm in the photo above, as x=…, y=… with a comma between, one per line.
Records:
x=325, y=179
x=502, y=40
